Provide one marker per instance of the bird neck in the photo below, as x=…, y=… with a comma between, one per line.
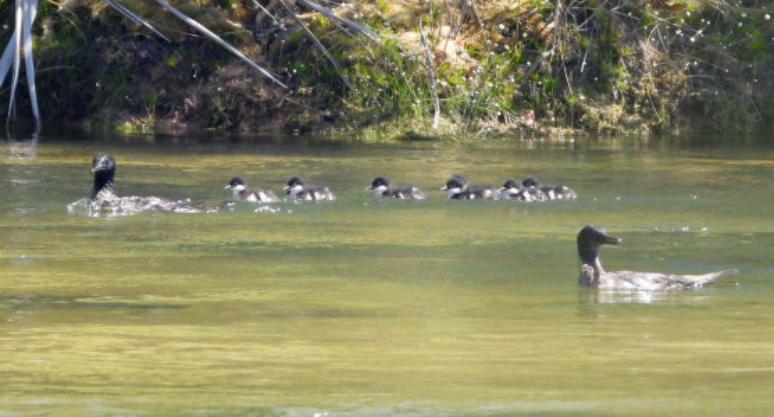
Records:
x=591, y=267
x=102, y=181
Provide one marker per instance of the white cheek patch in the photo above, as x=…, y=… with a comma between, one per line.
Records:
x=295, y=190
x=511, y=193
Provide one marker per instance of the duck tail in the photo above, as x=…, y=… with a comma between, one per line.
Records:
x=720, y=277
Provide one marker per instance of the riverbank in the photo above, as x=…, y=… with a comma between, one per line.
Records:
x=498, y=67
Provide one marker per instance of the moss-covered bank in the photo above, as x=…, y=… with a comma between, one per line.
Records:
x=499, y=66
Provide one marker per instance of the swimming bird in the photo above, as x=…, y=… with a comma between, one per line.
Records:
x=552, y=191
x=591, y=238
x=298, y=189
x=384, y=188
x=459, y=188
x=558, y=192
x=103, y=195
x=238, y=186
x=530, y=189
x=514, y=190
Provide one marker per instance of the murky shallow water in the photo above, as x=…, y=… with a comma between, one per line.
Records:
x=363, y=307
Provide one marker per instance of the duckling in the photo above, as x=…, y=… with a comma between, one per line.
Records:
x=549, y=191
x=511, y=189
x=459, y=188
x=383, y=188
x=531, y=189
x=299, y=190
x=238, y=186
x=514, y=190
x=103, y=196
x=591, y=238
x=558, y=192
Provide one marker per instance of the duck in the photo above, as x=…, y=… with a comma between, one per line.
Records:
x=459, y=188
x=384, y=188
x=552, y=191
x=531, y=186
x=104, y=198
x=238, y=186
x=559, y=192
x=513, y=189
x=298, y=189
x=589, y=240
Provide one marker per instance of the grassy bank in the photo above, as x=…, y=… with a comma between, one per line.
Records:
x=476, y=69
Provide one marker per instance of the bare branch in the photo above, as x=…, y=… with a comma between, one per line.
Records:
x=429, y=58
x=198, y=26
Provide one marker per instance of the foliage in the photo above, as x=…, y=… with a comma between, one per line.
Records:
x=599, y=65
x=613, y=66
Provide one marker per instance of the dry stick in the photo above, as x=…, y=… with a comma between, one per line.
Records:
x=135, y=18
x=199, y=27
x=475, y=12
x=333, y=17
x=463, y=6
x=265, y=11
x=320, y=46
x=559, y=32
x=429, y=57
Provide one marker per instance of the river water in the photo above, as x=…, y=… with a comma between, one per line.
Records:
x=366, y=307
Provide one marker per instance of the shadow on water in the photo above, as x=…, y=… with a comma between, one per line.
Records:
x=406, y=412
x=592, y=296
x=36, y=300
x=258, y=311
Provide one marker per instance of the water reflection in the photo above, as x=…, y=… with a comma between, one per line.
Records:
x=24, y=150
x=31, y=301
x=597, y=296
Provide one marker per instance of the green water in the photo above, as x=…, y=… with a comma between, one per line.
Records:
x=363, y=307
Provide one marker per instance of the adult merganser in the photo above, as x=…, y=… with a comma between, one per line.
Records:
x=103, y=196
x=591, y=238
